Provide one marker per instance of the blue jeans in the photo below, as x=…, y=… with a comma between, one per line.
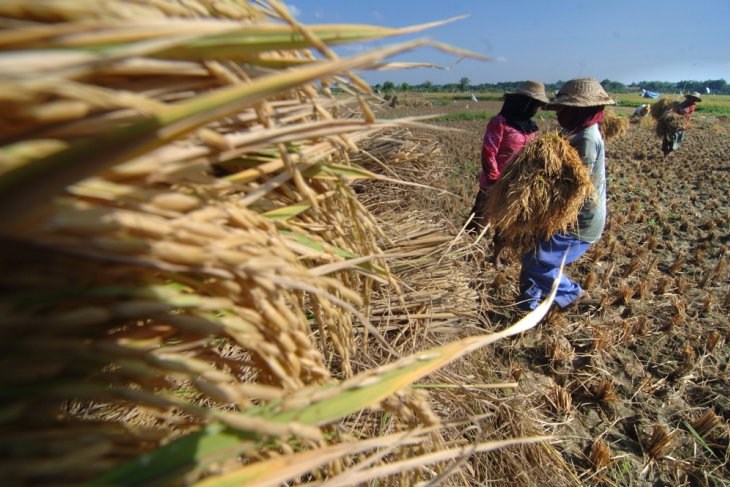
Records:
x=540, y=267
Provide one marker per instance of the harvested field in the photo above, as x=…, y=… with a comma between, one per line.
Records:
x=627, y=377
x=223, y=269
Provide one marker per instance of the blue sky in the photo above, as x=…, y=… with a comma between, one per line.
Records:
x=622, y=40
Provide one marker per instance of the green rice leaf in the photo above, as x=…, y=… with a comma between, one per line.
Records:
x=699, y=438
x=305, y=240
x=334, y=171
x=187, y=454
x=286, y=212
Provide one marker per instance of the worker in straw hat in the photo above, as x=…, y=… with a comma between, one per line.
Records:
x=504, y=136
x=673, y=140
x=579, y=106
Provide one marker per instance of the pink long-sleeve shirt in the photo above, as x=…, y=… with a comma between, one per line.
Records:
x=500, y=145
x=687, y=112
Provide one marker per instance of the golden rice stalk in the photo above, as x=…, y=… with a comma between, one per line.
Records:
x=320, y=406
x=706, y=423
x=625, y=292
x=600, y=455
x=660, y=442
x=712, y=340
x=612, y=126
x=559, y=399
x=540, y=193
x=197, y=250
x=559, y=352
x=605, y=391
x=660, y=106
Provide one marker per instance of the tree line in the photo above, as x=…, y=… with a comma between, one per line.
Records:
x=464, y=85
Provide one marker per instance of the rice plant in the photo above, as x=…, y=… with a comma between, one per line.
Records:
x=192, y=267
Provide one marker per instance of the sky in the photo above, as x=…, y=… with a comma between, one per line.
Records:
x=621, y=40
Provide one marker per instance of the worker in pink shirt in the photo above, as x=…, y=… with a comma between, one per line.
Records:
x=505, y=135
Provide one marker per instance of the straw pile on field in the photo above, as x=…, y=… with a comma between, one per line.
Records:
x=438, y=295
x=540, y=193
x=612, y=126
x=393, y=101
x=667, y=120
x=192, y=271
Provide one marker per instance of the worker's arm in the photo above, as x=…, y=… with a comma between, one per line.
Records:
x=490, y=148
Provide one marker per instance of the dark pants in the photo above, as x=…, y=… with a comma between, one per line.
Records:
x=672, y=142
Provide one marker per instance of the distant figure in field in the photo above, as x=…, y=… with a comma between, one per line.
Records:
x=579, y=107
x=505, y=135
x=642, y=110
x=672, y=141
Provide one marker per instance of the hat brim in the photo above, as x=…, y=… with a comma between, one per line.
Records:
x=693, y=97
x=534, y=96
x=573, y=101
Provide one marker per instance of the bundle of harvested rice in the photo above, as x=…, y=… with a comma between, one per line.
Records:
x=540, y=193
x=666, y=117
x=612, y=126
x=188, y=253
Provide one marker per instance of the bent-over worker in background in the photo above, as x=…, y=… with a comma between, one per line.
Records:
x=673, y=141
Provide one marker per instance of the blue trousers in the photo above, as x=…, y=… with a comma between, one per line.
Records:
x=540, y=267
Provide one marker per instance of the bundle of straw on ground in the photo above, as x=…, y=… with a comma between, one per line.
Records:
x=443, y=286
x=191, y=265
x=612, y=126
x=540, y=193
x=437, y=297
x=667, y=120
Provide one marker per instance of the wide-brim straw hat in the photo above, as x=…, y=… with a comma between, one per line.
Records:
x=532, y=89
x=693, y=94
x=581, y=92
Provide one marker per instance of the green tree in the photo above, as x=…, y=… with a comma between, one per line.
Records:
x=388, y=86
x=464, y=83
x=404, y=86
x=427, y=85
x=717, y=85
x=613, y=86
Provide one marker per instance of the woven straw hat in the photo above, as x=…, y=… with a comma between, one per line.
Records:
x=533, y=89
x=693, y=94
x=581, y=92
